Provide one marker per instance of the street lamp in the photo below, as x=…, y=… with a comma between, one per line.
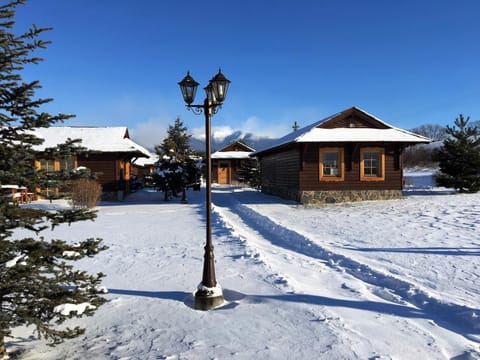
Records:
x=208, y=294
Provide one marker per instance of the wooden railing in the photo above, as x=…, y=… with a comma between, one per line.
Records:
x=18, y=194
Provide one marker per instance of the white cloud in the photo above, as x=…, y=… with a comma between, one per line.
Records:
x=261, y=128
x=152, y=132
x=149, y=134
x=218, y=132
x=251, y=125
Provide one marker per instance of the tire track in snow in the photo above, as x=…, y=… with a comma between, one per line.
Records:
x=458, y=318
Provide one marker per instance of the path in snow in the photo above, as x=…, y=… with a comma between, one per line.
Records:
x=398, y=293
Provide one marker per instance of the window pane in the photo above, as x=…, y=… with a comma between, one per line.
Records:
x=47, y=165
x=66, y=164
x=371, y=163
x=331, y=164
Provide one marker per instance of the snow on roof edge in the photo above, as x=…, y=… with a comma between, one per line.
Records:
x=95, y=138
x=296, y=136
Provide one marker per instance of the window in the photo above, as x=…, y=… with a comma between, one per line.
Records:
x=372, y=164
x=47, y=165
x=67, y=164
x=331, y=164
x=51, y=166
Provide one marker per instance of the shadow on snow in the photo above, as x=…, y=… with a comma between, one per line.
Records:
x=474, y=251
x=461, y=319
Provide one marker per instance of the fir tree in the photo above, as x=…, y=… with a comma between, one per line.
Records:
x=177, y=167
x=177, y=140
x=250, y=173
x=459, y=157
x=37, y=278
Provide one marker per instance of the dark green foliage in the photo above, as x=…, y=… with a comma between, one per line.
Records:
x=178, y=167
x=459, y=157
x=36, y=274
x=177, y=140
x=250, y=173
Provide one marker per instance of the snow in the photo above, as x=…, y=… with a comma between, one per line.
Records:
x=67, y=309
x=231, y=154
x=20, y=259
x=312, y=133
x=395, y=279
x=71, y=254
x=358, y=134
x=105, y=139
x=146, y=161
x=210, y=291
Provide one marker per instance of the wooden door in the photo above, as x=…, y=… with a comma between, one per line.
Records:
x=224, y=173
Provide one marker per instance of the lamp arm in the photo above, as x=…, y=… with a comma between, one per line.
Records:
x=199, y=109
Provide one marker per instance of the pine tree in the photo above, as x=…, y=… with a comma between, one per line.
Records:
x=459, y=157
x=38, y=283
x=250, y=173
x=177, y=140
x=177, y=165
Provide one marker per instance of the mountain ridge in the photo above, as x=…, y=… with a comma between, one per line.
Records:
x=255, y=142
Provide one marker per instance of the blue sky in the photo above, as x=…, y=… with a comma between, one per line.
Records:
x=118, y=62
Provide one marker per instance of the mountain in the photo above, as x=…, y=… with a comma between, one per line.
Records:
x=251, y=140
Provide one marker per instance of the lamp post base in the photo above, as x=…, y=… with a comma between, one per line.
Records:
x=208, y=298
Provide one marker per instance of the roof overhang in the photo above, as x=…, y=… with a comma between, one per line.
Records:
x=318, y=132
x=231, y=155
x=320, y=135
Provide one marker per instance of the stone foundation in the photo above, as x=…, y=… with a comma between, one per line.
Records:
x=340, y=196
x=285, y=193
x=332, y=196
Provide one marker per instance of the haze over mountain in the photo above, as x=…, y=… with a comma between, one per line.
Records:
x=218, y=143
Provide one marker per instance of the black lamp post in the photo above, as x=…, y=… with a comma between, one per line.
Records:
x=208, y=294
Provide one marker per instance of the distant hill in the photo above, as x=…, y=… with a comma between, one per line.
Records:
x=251, y=140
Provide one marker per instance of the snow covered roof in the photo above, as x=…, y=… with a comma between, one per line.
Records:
x=104, y=139
x=315, y=133
x=231, y=154
x=234, y=150
x=146, y=162
x=359, y=135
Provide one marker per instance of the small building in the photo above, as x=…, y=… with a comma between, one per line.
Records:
x=111, y=152
x=349, y=156
x=228, y=161
x=142, y=166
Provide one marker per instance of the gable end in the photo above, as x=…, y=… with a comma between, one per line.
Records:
x=237, y=146
x=353, y=118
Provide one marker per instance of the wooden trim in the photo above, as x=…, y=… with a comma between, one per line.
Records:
x=341, y=159
x=380, y=151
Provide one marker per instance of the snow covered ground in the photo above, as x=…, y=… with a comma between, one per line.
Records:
x=393, y=279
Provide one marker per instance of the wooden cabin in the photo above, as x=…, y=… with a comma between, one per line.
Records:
x=349, y=156
x=144, y=167
x=228, y=161
x=111, y=156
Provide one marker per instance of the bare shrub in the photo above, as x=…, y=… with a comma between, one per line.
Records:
x=85, y=192
x=420, y=156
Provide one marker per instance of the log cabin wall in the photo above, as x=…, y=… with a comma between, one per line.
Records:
x=280, y=173
x=295, y=174
x=310, y=175
x=113, y=171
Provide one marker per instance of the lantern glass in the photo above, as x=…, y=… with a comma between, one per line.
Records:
x=219, y=85
x=188, y=86
x=210, y=95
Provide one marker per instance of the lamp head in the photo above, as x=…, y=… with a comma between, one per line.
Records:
x=219, y=84
x=188, y=86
